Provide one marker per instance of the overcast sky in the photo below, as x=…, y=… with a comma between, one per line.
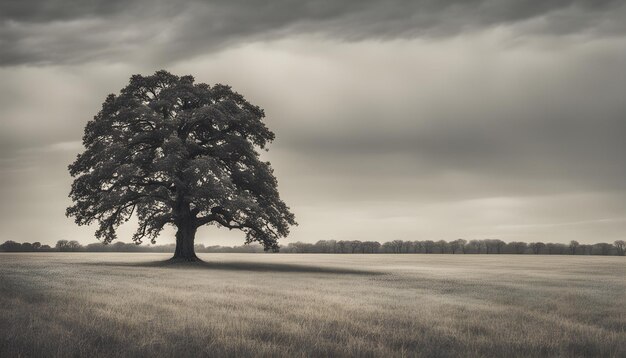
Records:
x=412, y=120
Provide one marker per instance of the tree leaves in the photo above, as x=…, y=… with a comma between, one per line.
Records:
x=167, y=149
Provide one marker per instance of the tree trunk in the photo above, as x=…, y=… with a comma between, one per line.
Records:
x=185, y=236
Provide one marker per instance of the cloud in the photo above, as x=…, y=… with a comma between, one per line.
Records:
x=463, y=112
x=67, y=31
x=411, y=120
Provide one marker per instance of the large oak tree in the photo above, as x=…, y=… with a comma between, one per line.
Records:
x=175, y=152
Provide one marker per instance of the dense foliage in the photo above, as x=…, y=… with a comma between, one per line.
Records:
x=174, y=152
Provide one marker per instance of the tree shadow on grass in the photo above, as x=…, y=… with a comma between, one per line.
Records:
x=239, y=266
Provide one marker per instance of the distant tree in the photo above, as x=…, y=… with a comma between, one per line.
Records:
x=428, y=246
x=370, y=247
x=482, y=246
x=586, y=249
x=457, y=245
x=354, y=245
x=454, y=246
x=518, y=247
x=441, y=246
x=74, y=246
x=573, y=245
x=493, y=246
x=341, y=246
x=97, y=247
x=490, y=246
x=375, y=246
x=396, y=246
x=406, y=246
x=11, y=246
x=321, y=246
x=27, y=247
x=620, y=247
x=332, y=246
x=499, y=245
x=36, y=245
x=537, y=247
x=603, y=248
x=119, y=247
x=178, y=153
x=66, y=246
x=62, y=245
x=463, y=245
x=473, y=246
x=200, y=248
x=386, y=247
x=299, y=247
x=556, y=249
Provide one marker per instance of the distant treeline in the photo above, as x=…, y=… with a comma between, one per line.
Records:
x=459, y=246
x=75, y=246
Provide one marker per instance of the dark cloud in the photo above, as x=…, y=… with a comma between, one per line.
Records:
x=540, y=120
x=397, y=119
x=72, y=31
x=58, y=10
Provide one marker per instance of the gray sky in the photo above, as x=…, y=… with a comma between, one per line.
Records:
x=394, y=119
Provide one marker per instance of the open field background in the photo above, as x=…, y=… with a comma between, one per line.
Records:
x=115, y=304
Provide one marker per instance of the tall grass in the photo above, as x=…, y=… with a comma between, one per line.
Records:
x=311, y=305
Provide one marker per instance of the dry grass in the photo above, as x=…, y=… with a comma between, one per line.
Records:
x=312, y=305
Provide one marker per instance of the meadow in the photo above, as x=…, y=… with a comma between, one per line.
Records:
x=297, y=305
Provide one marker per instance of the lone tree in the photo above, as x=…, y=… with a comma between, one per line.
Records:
x=176, y=152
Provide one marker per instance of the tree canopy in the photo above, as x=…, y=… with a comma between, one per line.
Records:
x=175, y=152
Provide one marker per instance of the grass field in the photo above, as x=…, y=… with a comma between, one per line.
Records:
x=312, y=305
